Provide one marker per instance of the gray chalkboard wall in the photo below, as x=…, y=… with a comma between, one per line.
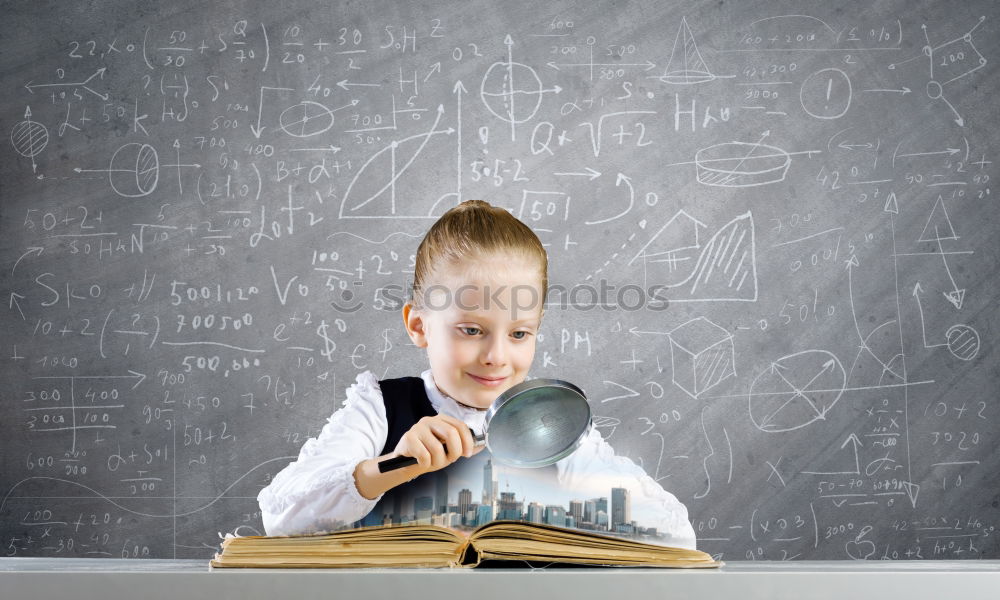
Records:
x=209, y=214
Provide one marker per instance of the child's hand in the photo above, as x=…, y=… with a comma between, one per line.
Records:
x=437, y=441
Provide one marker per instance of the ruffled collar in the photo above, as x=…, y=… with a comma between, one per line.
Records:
x=444, y=403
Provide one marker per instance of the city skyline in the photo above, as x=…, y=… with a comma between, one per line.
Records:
x=462, y=506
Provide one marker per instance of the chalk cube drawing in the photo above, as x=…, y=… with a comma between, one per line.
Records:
x=701, y=356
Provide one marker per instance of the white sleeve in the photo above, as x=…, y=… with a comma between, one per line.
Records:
x=594, y=469
x=317, y=492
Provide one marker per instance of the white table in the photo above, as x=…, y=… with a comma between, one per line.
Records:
x=111, y=579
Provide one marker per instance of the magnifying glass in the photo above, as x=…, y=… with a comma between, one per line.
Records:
x=533, y=424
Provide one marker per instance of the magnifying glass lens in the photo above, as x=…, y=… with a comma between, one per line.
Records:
x=536, y=425
x=533, y=424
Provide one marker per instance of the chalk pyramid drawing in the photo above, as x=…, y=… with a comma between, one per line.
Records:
x=938, y=228
x=725, y=268
x=686, y=66
x=938, y=225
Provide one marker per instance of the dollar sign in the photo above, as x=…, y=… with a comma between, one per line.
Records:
x=328, y=343
x=387, y=345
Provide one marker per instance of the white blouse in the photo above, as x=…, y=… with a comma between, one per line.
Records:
x=319, y=486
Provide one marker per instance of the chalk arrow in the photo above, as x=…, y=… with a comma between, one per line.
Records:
x=637, y=333
x=949, y=152
x=956, y=297
x=139, y=376
x=343, y=83
x=99, y=73
x=775, y=367
x=912, y=490
x=37, y=250
x=917, y=289
x=903, y=91
x=591, y=173
x=847, y=146
x=13, y=302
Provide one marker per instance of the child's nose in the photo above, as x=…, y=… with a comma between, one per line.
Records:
x=495, y=351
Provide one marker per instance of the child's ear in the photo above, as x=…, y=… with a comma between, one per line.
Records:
x=415, y=325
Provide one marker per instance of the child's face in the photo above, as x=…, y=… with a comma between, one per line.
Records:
x=479, y=323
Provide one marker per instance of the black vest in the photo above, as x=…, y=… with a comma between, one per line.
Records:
x=406, y=402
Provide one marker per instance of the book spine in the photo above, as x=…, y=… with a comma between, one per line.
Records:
x=468, y=554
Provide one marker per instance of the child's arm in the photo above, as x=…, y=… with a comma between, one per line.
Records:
x=317, y=492
x=372, y=484
x=435, y=442
x=594, y=468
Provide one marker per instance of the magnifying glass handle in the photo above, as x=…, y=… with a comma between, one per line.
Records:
x=398, y=462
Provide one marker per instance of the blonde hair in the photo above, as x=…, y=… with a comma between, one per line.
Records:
x=475, y=230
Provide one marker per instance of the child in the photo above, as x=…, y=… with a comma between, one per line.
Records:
x=477, y=302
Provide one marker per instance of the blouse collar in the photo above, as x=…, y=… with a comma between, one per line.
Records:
x=444, y=403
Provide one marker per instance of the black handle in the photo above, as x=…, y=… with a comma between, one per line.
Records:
x=398, y=462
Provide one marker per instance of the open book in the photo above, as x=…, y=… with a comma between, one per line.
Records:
x=438, y=546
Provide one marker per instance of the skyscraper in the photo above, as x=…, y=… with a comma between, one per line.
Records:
x=621, y=507
x=602, y=520
x=441, y=491
x=464, y=501
x=536, y=512
x=555, y=515
x=602, y=504
x=576, y=509
x=509, y=507
x=424, y=507
x=484, y=514
x=489, y=484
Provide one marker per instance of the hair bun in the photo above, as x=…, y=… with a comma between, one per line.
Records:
x=471, y=230
x=471, y=204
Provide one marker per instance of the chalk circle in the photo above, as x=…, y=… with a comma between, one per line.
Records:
x=826, y=94
x=741, y=164
x=687, y=77
x=963, y=341
x=796, y=390
x=134, y=170
x=503, y=98
x=934, y=90
x=29, y=138
x=306, y=119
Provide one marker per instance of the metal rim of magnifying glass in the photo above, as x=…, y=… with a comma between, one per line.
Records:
x=526, y=386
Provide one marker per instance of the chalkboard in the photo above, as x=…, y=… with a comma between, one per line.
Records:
x=771, y=231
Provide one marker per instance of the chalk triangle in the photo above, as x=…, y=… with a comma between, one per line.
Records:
x=891, y=206
x=938, y=225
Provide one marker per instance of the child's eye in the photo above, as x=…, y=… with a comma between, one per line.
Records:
x=526, y=334
x=465, y=329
